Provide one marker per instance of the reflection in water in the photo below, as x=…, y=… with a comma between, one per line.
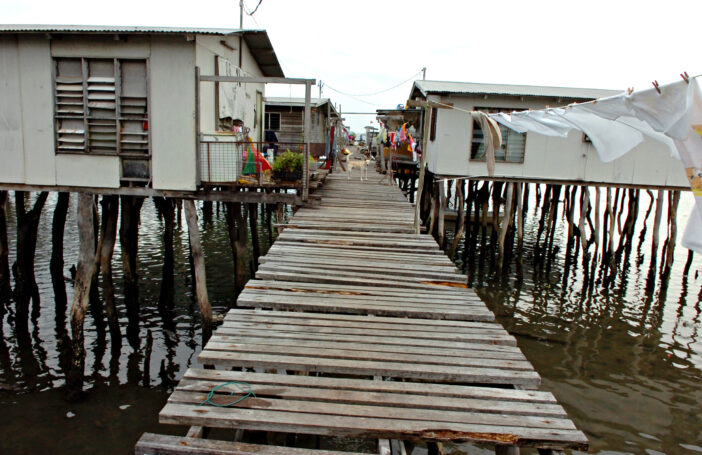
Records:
x=624, y=359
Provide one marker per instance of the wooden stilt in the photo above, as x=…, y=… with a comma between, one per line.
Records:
x=237, y=239
x=688, y=263
x=505, y=224
x=496, y=202
x=553, y=216
x=5, y=286
x=441, y=216
x=460, y=219
x=657, y=225
x=56, y=265
x=253, y=224
x=84, y=276
x=207, y=212
x=199, y=262
x=280, y=216
x=108, y=236
x=674, y=199
x=598, y=195
x=520, y=216
x=584, y=203
x=130, y=214
x=166, y=208
x=26, y=289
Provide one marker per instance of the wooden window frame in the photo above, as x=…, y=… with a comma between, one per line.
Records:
x=268, y=122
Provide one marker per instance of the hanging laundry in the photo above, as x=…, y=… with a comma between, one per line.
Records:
x=492, y=137
x=617, y=124
x=403, y=133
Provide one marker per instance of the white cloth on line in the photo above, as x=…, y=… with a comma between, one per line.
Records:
x=617, y=124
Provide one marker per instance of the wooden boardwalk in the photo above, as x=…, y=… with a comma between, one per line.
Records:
x=386, y=337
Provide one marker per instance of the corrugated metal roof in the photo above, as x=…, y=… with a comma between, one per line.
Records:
x=282, y=101
x=300, y=102
x=36, y=28
x=467, y=88
x=257, y=40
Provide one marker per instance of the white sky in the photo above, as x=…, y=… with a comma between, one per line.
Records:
x=363, y=46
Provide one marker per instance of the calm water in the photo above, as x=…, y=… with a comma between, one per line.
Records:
x=626, y=364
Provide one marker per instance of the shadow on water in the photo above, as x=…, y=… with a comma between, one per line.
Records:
x=125, y=384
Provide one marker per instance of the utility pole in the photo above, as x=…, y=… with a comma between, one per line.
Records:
x=241, y=27
x=320, y=84
x=424, y=73
x=241, y=14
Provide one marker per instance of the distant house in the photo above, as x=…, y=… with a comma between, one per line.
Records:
x=111, y=107
x=454, y=142
x=284, y=117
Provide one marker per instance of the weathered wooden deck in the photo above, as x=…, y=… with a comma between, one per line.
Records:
x=370, y=300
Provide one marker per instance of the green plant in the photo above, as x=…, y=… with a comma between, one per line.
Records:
x=289, y=162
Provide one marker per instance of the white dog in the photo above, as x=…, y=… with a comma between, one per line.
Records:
x=357, y=161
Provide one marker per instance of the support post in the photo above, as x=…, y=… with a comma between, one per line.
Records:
x=84, y=276
x=505, y=223
x=108, y=236
x=5, y=286
x=306, y=164
x=198, y=262
x=422, y=163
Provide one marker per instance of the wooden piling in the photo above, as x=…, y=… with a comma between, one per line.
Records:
x=667, y=261
x=253, y=225
x=25, y=283
x=505, y=224
x=657, y=226
x=442, y=214
x=598, y=196
x=5, y=284
x=130, y=214
x=84, y=276
x=460, y=219
x=198, y=263
x=108, y=236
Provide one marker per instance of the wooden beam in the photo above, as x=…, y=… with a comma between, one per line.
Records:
x=259, y=80
x=227, y=195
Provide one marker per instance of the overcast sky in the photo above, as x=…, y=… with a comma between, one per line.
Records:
x=361, y=47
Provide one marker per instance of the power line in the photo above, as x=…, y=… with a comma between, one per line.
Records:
x=375, y=93
x=255, y=9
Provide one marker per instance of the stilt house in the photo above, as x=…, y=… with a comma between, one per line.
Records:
x=285, y=118
x=454, y=143
x=113, y=107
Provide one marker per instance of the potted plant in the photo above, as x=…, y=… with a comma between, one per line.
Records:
x=288, y=166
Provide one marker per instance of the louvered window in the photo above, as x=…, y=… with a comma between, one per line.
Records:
x=101, y=108
x=513, y=143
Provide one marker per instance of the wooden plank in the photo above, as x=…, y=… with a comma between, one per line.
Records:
x=335, y=320
x=351, y=426
x=487, y=351
x=152, y=444
x=373, y=410
x=313, y=363
x=410, y=276
x=438, y=292
x=474, y=358
x=365, y=386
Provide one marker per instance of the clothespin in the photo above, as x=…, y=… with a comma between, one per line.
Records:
x=685, y=77
x=657, y=87
x=630, y=90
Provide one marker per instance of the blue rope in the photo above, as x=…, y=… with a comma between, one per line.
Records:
x=244, y=387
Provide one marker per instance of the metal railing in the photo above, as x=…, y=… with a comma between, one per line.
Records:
x=231, y=160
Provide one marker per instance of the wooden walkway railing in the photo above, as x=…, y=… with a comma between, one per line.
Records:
x=379, y=335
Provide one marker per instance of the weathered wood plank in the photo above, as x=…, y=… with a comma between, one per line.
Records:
x=368, y=427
